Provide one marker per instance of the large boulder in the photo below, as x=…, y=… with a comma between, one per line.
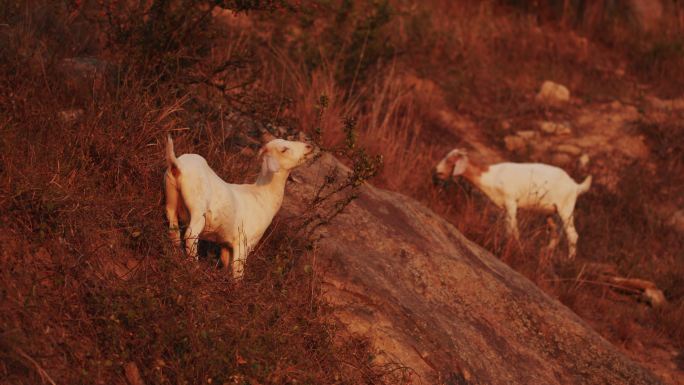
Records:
x=430, y=299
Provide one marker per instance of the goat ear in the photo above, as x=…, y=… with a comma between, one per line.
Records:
x=270, y=163
x=460, y=165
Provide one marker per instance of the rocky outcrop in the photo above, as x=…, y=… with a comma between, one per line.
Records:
x=430, y=299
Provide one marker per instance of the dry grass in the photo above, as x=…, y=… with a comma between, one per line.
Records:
x=90, y=283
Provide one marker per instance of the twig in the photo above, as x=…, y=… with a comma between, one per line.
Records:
x=358, y=65
x=635, y=291
x=44, y=376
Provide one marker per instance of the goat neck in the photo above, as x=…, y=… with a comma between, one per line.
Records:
x=473, y=173
x=273, y=183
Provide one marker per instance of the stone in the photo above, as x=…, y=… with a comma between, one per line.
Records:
x=553, y=93
x=563, y=130
x=561, y=159
x=654, y=297
x=584, y=160
x=557, y=128
x=548, y=127
x=569, y=149
x=527, y=134
x=515, y=144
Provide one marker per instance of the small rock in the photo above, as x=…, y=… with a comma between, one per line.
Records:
x=548, y=127
x=515, y=143
x=569, y=149
x=584, y=160
x=563, y=129
x=527, y=134
x=555, y=128
x=505, y=125
x=553, y=93
x=561, y=159
x=540, y=147
x=654, y=297
x=616, y=105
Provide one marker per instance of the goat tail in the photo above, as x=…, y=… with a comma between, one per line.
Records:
x=584, y=186
x=171, y=159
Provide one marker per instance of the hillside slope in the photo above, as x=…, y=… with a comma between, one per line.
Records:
x=432, y=300
x=91, y=287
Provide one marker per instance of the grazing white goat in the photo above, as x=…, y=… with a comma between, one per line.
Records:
x=233, y=215
x=536, y=186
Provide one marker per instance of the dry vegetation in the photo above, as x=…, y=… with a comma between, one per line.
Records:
x=89, y=282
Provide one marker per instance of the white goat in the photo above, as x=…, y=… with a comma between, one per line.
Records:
x=536, y=186
x=233, y=215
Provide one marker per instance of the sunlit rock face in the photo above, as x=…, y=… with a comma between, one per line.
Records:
x=430, y=299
